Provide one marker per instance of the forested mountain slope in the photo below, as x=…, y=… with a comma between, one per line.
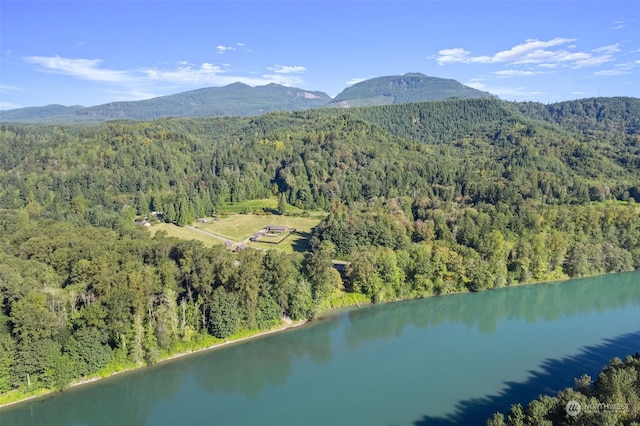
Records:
x=236, y=99
x=402, y=89
x=481, y=150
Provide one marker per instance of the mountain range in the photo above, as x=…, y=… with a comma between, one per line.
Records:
x=239, y=99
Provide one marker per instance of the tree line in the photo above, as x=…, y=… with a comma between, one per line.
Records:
x=412, y=248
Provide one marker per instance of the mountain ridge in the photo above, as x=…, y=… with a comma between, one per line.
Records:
x=405, y=88
x=239, y=99
x=235, y=99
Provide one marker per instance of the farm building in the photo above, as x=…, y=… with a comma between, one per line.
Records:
x=277, y=229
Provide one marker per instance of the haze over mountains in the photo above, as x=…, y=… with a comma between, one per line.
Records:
x=239, y=99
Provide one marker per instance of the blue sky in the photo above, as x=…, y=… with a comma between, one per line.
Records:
x=93, y=52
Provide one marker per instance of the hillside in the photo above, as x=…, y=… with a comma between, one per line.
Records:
x=236, y=99
x=402, y=89
x=39, y=114
x=484, y=150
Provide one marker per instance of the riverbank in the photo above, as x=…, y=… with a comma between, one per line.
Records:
x=338, y=303
x=287, y=325
x=414, y=346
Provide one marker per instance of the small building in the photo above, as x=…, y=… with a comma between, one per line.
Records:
x=239, y=248
x=257, y=236
x=277, y=229
x=142, y=222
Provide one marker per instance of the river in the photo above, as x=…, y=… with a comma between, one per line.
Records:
x=440, y=361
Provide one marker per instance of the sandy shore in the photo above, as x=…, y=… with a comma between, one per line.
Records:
x=288, y=324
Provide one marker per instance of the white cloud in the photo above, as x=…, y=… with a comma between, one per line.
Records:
x=619, y=69
x=621, y=23
x=8, y=105
x=222, y=49
x=8, y=88
x=238, y=46
x=593, y=61
x=285, y=69
x=611, y=72
x=85, y=69
x=514, y=73
x=132, y=94
x=530, y=49
x=451, y=56
x=285, y=80
x=547, y=54
x=612, y=48
x=90, y=69
x=185, y=73
x=144, y=82
x=502, y=91
x=355, y=80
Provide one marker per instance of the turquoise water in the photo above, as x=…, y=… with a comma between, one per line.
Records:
x=439, y=361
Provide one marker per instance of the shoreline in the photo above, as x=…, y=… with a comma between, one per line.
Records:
x=288, y=324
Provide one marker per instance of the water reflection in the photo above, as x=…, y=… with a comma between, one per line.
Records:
x=117, y=401
x=251, y=367
x=246, y=368
x=483, y=311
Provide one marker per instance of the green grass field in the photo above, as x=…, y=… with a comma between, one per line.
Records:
x=184, y=233
x=239, y=227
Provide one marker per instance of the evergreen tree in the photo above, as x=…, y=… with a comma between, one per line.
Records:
x=282, y=204
x=224, y=317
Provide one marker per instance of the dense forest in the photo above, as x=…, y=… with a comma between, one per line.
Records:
x=613, y=399
x=422, y=199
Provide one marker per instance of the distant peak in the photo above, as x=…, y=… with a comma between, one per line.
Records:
x=238, y=84
x=405, y=88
